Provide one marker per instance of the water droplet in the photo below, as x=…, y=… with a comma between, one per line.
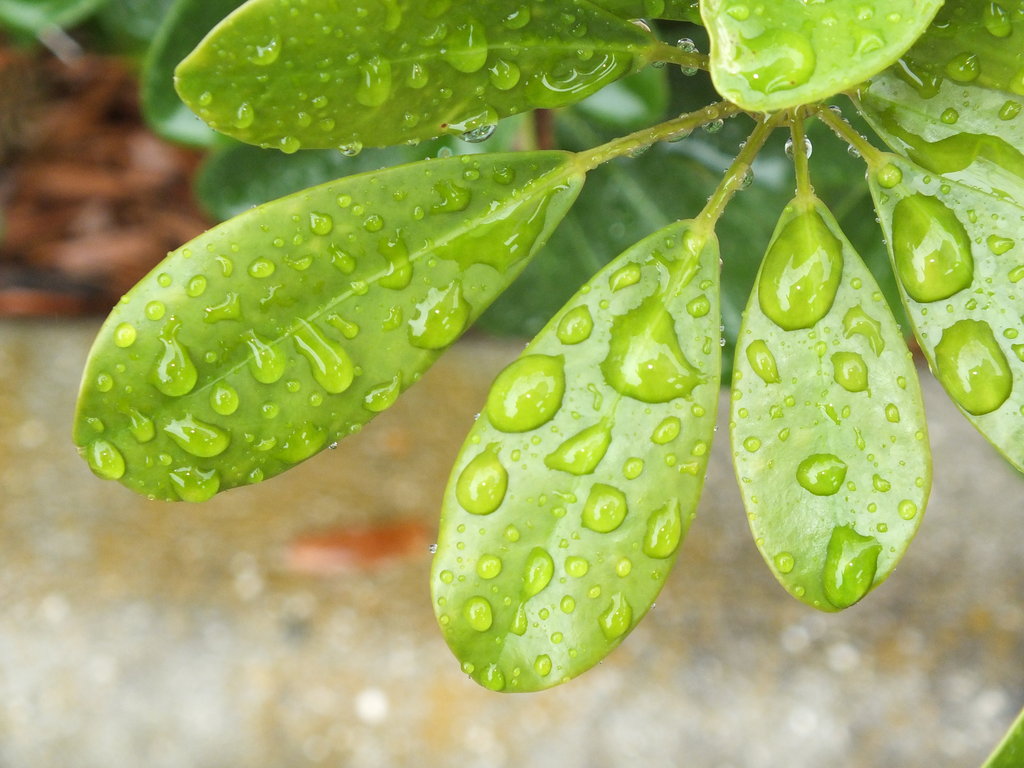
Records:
x=857, y=322
x=478, y=613
x=229, y=309
x=440, y=318
x=542, y=665
x=850, y=371
x=624, y=277
x=645, y=360
x=302, y=442
x=666, y=431
x=382, y=397
x=527, y=393
x=784, y=562
x=931, y=248
x=576, y=567
x=888, y=176
x=174, y=374
x=964, y=67
x=197, y=437
x=330, y=364
x=224, y=399
x=907, y=509
x=776, y=60
x=605, y=508
x=850, y=564
x=892, y=413
x=374, y=85
x=155, y=310
x=997, y=20
x=142, y=427
x=616, y=619
x=479, y=134
x=267, y=363
x=949, y=116
x=821, y=473
x=762, y=361
x=453, y=197
x=245, y=116
x=262, y=268
x=321, y=223
x=125, y=335
x=268, y=53
x=999, y=245
x=195, y=485
x=571, y=79
x=580, y=454
x=351, y=149
x=801, y=273
x=1010, y=109
x=575, y=326
x=466, y=47
x=105, y=460
x=481, y=486
x=972, y=367
x=538, y=572
x=488, y=566
x=396, y=253
x=664, y=530
x=633, y=468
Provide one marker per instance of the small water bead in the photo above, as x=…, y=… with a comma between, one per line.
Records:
x=949, y=116
x=999, y=245
x=125, y=335
x=625, y=277
x=664, y=531
x=262, y=268
x=605, y=508
x=752, y=444
x=667, y=431
x=857, y=322
x=538, y=572
x=784, y=562
x=478, y=613
x=527, y=393
x=880, y=484
x=174, y=374
x=577, y=567
x=907, y=509
x=850, y=371
x=330, y=364
x=822, y=474
x=997, y=20
x=479, y=134
x=1010, y=109
x=482, y=485
x=972, y=367
x=686, y=45
x=542, y=665
x=193, y=484
x=266, y=54
x=931, y=248
x=289, y=144
x=713, y=126
x=892, y=413
x=778, y=59
x=964, y=67
x=617, y=617
x=851, y=561
x=762, y=361
x=488, y=566
x=790, y=149
x=224, y=399
x=440, y=318
x=141, y=426
x=197, y=437
x=623, y=567
x=633, y=468
x=155, y=310
x=383, y=396
x=373, y=86
x=580, y=454
x=575, y=326
x=266, y=363
x=350, y=149
x=105, y=460
x=888, y=176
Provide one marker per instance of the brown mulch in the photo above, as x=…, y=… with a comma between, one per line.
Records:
x=91, y=199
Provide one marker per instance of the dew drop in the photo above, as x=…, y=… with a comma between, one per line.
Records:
x=125, y=335
x=762, y=361
x=850, y=371
x=784, y=562
x=105, y=460
x=538, y=572
x=776, y=60
x=664, y=530
x=931, y=248
x=527, y=393
x=575, y=326
x=174, y=374
x=478, y=613
x=224, y=399
x=972, y=367
x=851, y=561
x=267, y=362
x=197, y=437
x=605, y=508
x=482, y=484
x=382, y=397
x=488, y=566
x=616, y=619
x=667, y=431
x=194, y=485
x=330, y=364
x=374, y=84
x=440, y=318
x=822, y=474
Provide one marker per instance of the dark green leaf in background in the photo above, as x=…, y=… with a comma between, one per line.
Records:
x=828, y=429
x=568, y=502
x=255, y=345
x=36, y=15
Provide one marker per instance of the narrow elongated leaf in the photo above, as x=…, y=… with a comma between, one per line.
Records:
x=981, y=43
x=567, y=504
x=827, y=426
x=777, y=54
x=321, y=74
x=1010, y=752
x=185, y=25
x=255, y=345
x=959, y=259
x=35, y=15
x=678, y=10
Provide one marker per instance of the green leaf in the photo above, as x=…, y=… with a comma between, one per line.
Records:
x=36, y=15
x=772, y=55
x=128, y=26
x=255, y=345
x=678, y=10
x=980, y=43
x=828, y=428
x=186, y=24
x=319, y=75
x=1010, y=752
x=568, y=501
x=956, y=254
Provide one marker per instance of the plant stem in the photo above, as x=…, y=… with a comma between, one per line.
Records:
x=848, y=133
x=673, y=55
x=643, y=138
x=798, y=135
x=736, y=174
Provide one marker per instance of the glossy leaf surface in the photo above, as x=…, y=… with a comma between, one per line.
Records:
x=679, y=10
x=254, y=346
x=183, y=28
x=1010, y=752
x=772, y=55
x=567, y=504
x=35, y=15
x=957, y=253
x=827, y=423
x=318, y=75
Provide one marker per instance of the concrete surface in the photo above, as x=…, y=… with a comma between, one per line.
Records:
x=251, y=631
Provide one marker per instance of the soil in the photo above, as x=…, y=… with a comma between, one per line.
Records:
x=90, y=198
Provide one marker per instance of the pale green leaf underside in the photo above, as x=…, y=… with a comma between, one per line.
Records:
x=255, y=345
x=568, y=501
x=1010, y=752
x=828, y=428
x=323, y=74
x=959, y=258
x=777, y=54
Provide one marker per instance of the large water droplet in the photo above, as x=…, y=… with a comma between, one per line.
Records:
x=197, y=437
x=972, y=367
x=664, y=529
x=452, y=197
x=542, y=665
x=821, y=473
x=762, y=361
x=527, y=393
x=440, y=318
x=616, y=619
x=478, y=613
x=850, y=564
x=141, y=426
x=605, y=508
x=266, y=54
x=396, y=253
x=667, y=431
x=195, y=485
x=488, y=566
x=645, y=360
x=801, y=273
x=931, y=248
x=302, y=442
x=174, y=374
x=466, y=47
x=224, y=399
x=570, y=79
x=374, y=85
x=575, y=326
x=105, y=460
x=538, y=572
x=857, y=322
x=267, y=362
x=776, y=60
x=382, y=397
x=850, y=371
x=581, y=453
x=330, y=364
x=481, y=486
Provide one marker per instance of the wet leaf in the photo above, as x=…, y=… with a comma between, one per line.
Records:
x=827, y=424
x=323, y=76
x=678, y=10
x=768, y=56
x=257, y=344
x=958, y=256
x=566, y=506
x=35, y=15
x=1010, y=752
x=187, y=23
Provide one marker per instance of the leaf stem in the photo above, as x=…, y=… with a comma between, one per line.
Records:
x=736, y=175
x=688, y=60
x=801, y=168
x=591, y=158
x=841, y=128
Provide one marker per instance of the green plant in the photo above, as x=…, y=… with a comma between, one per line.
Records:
x=291, y=325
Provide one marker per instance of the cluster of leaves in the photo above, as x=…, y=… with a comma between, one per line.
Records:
x=292, y=324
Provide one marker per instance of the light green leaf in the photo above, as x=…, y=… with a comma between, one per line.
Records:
x=957, y=255
x=36, y=15
x=321, y=75
x=828, y=428
x=1010, y=752
x=777, y=54
x=185, y=25
x=255, y=345
x=678, y=10
x=981, y=43
x=567, y=504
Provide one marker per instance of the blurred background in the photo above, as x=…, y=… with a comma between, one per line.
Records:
x=290, y=624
